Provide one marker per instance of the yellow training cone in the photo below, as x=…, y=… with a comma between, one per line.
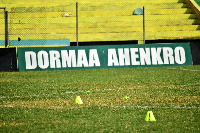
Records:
x=126, y=97
x=78, y=100
x=150, y=116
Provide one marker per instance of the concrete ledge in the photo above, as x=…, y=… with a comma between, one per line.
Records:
x=37, y=42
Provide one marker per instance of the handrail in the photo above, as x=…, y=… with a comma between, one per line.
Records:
x=194, y=6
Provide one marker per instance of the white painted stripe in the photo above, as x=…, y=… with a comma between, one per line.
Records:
x=187, y=84
x=118, y=106
x=67, y=92
x=171, y=68
x=193, y=70
x=84, y=91
x=162, y=107
x=190, y=70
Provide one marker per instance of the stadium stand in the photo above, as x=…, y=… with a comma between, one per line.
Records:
x=100, y=20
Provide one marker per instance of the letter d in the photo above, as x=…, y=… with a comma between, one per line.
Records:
x=31, y=61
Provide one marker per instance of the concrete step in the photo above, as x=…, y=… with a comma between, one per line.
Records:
x=114, y=36
x=42, y=36
x=102, y=30
x=172, y=28
x=106, y=19
x=39, y=9
x=173, y=35
x=98, y=13
x=128, y=6
x=103, y=25
x=86, y=1
x=92, y=7
x=168, y=11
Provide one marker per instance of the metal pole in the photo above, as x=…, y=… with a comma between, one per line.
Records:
x=144, y=24
x=77, y=23
x=6, y=30
x=6, y=27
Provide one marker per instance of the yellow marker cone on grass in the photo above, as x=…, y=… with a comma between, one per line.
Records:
x=126, y=97
x=78, y=100
x=150, y=116
x=88, y=92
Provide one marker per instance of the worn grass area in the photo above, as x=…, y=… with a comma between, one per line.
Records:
x=45, y=101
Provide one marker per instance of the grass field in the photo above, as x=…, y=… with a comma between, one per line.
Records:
x=45, y=101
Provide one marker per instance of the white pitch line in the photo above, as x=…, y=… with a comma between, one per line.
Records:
x=190, y=70
x=162, y=107
x=193, y=70
x=118, y=106
x=26, y=96
x=187, y=84
x=67, y=92
x=81, y=91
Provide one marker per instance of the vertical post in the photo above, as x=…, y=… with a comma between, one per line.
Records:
x=144, y=24
x=6, y=30
x=77, y=23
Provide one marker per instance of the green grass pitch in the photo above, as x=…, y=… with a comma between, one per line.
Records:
x=114, y=100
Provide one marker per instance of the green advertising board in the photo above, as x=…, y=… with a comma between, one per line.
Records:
x=109, y=56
